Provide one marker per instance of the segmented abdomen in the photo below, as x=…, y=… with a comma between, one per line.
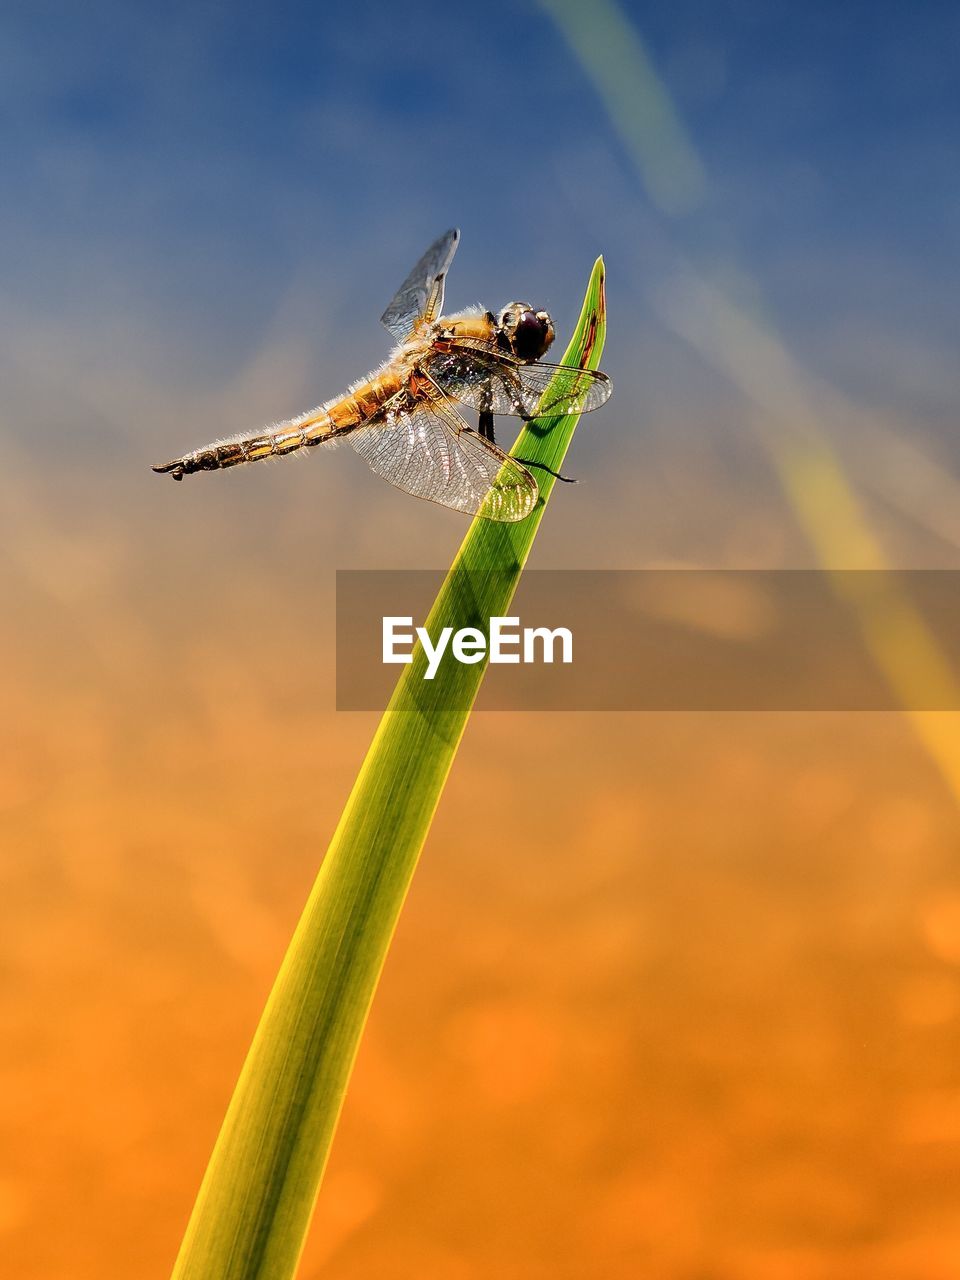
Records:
x=316, y=427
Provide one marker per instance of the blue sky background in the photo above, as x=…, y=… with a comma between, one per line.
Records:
x=186, y=187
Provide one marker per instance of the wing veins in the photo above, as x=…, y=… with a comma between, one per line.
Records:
x=424, y=447
x=494, y=381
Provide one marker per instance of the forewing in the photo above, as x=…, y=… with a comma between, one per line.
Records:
x=426, y=449
x=494, y=382
x=420, y=297
x=474, y=378
x=552, y=388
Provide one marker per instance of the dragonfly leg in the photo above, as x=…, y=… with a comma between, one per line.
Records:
x=485, y=429
x=542, y=466
x=485, y=425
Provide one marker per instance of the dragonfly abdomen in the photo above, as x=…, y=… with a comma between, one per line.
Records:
x=221, y=454
x=315, y=427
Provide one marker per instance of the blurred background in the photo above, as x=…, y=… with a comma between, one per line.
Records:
x=693, y=1011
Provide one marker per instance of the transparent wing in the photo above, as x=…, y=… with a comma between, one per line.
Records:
x=490, y=381
x=420, y=297
x=426, y=448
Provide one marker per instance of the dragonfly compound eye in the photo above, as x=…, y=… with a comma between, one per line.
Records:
x=532, y=335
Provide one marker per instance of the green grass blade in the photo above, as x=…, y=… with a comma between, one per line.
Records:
x=254, y=1205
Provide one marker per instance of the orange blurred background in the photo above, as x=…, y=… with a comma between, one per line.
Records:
x=672, y=995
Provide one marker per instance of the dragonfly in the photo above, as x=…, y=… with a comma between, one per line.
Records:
x=403, y=418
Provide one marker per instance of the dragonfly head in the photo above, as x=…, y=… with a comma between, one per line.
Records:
x=525, y=333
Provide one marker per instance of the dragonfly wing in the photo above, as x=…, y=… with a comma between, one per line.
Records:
x=426, y=449
x=547, y=389
x=474, y=378
x=489, y=380
x=420, y=297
